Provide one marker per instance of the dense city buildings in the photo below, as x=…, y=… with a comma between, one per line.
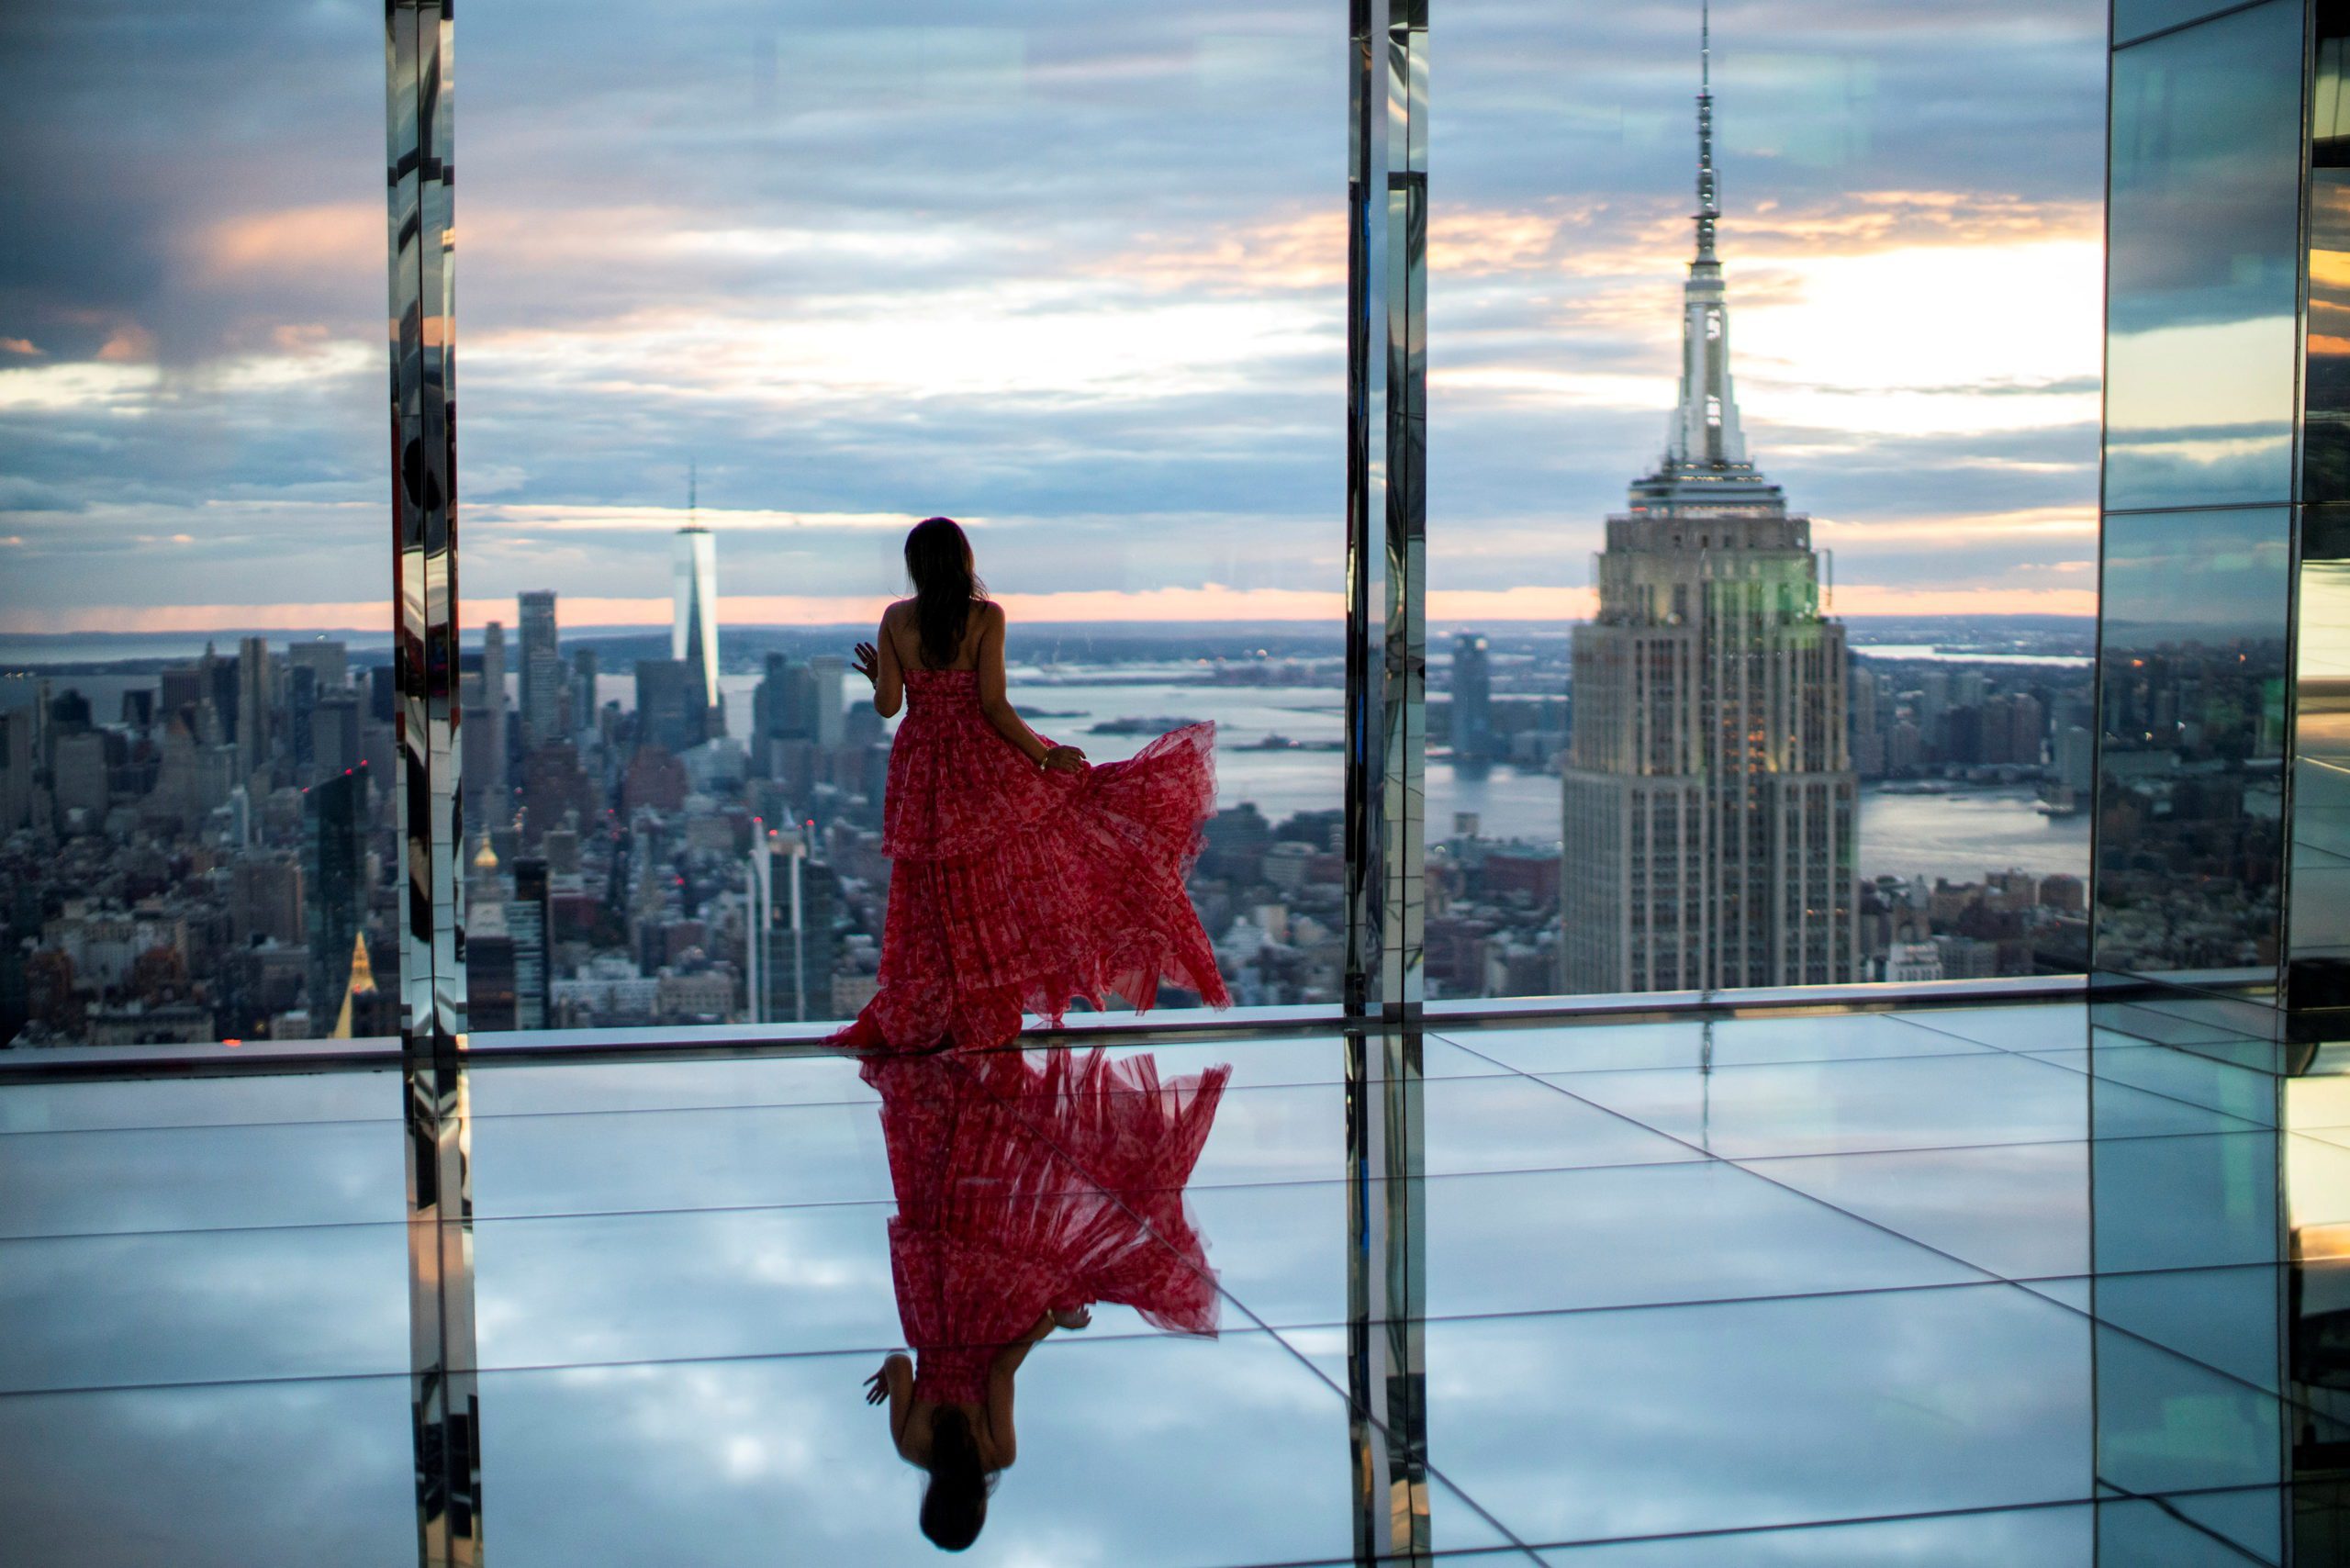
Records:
x=1709, y=808
x=155, y=888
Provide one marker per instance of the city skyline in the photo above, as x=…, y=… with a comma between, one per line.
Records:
x=1054, y=371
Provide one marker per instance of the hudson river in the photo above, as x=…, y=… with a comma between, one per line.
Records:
x=1959, y=836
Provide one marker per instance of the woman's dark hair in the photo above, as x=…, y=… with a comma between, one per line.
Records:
x=938, y=559
x=955, y=1505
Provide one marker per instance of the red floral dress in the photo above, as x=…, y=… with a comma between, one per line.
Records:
x=1015, y=889
x=1036, y=1183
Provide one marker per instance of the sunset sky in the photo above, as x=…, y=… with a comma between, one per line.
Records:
x=1075, y=276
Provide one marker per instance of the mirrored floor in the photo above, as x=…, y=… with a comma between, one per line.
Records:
x=1998, y=1285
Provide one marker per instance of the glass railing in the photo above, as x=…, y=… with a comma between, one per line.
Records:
x=1079, y=287
x=197, y=809
x=736, y=316
x=1762, y=546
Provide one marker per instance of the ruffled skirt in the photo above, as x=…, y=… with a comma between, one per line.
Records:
x=1034, y=1183
x=1014, y=892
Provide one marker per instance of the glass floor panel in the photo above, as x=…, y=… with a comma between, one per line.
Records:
x=1951, y=1286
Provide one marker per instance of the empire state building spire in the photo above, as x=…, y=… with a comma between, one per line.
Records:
x=1704, y=431
x=1708, y=810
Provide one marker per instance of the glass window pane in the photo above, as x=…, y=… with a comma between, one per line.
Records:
x=196, y=826
x=2190, y=835
x=800, y=277
x=2136, y=18
x=2202, y=281
x=2325, y=440
x=2320, y=922
x=1761, y=546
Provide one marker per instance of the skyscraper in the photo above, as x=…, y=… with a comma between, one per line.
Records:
x=793, y=947
x=301, y=701
x=252, y=706
x=530, y=927
x=1473, y=699
x=334, y=823
x=330, y=661
x=218, y=678
x=1709, y=808
x=670, y=713
x=693, y=633
x=828, y=674
x=584, y=704
x=494, y=710
x=543, y=715
x=334, y=733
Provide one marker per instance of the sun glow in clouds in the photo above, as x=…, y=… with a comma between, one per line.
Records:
x=1934, y=341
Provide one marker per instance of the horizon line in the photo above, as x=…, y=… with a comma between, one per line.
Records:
x=1210, y=605
x=1143, y=628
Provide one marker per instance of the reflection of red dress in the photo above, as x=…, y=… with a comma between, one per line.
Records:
x=1034, y=1183
x=1015, y=889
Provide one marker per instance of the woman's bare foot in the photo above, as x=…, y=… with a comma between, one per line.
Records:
x=1075, y=1319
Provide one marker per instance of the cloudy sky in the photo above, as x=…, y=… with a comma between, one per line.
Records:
x=1072, y=271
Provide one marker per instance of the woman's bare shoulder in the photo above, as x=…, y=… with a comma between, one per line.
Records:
x=990, y=612
x=898, y=610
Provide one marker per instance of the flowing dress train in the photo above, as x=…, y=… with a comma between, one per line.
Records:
x=1015, y=889
x=1032, y=1182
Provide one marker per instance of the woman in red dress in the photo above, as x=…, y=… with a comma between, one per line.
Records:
x=1030, y=1187
x=1023, y=877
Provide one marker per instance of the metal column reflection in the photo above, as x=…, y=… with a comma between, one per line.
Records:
x=1386, y=506
x=1387, y=1297
x=420, y=136
x=2215, y=1286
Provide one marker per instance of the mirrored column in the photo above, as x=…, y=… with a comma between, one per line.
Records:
x=1387, y=1297
x=420, y=133
x=2317, y=971
x=2187, y=1243
x=2196, y=592
x=1386, y=506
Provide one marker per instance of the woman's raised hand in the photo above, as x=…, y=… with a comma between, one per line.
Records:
x=869, y=662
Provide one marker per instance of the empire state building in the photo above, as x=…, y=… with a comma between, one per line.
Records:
x=1709, y=806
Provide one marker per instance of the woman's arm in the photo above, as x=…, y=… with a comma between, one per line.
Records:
x=1001, y=1435
x=896, y=1381
x=998, y=706
x=889, y=678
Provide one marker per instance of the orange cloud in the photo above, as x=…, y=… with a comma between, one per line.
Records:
x=295, y=240
x=300, y=339
x=130, y=343
x=1612, y=240
x=1472, y=244
x=1958, y=529
x=17, y=345
x=1860, y=599
x=1298, y=252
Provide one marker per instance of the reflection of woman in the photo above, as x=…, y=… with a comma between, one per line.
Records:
x=1028, y=1188
x=1021, y=877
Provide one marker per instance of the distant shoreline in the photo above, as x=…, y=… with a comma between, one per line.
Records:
x=1091, y=628
x=99, y=647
